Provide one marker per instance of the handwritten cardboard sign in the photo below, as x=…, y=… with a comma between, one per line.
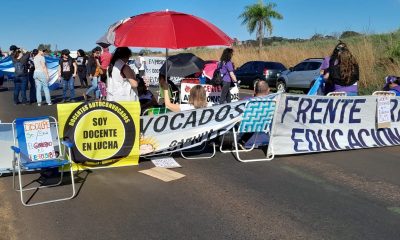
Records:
x=38, y=140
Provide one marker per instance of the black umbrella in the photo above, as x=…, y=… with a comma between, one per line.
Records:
x=182, y=65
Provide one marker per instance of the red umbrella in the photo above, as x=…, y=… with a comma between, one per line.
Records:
x=164, y=29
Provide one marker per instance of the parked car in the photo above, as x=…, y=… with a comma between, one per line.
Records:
x=250, y=71
x=301, y=76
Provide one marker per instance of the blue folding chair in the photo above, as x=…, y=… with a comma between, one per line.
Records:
x=256, y=119
x=34, y=150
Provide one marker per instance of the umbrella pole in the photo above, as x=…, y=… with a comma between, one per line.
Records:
x=166, y=63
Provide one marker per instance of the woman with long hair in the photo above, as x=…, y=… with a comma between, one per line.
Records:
x=228, y=76
x=197, y=98
x=41, y=76
x=94, y=72
x=122, y=83
x=81, y=61
x=343, y=71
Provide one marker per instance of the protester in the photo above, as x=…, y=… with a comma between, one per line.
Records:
x=197, y=98
x=141, y=65
x=146, y=97
x=228, y=75
x=122, y=83
x=343, y=71
x=20, y=61
x=174, y=93
x=41, y=76
x=31, y=80
x=392, y=84
x=81, y=61
x=67, y=72
x=105, y=59
x=261, y=89
x=94, y=71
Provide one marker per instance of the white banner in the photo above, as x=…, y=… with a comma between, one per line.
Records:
x=304, y=124
x=153, y=65
x=213, y=92
x=179, y=130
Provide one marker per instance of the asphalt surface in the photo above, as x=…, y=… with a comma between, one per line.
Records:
x=341, y=195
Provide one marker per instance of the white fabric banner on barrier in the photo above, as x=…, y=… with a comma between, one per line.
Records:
x=179, y=130
x=304, y=124
x=213, y=93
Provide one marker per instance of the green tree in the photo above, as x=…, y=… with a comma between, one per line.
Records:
x=258, y=16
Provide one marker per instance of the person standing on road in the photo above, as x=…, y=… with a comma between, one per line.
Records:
x=94, y=72
x=142, y=65
x=105, y=59
x=122, y=84
x=31, y=80
x=343, y=71
x=20, y=61
x=67, y=72
x=229, y=77
x=41, y=76
x=81, y=62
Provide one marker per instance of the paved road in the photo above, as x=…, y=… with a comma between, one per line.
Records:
x=341, y=195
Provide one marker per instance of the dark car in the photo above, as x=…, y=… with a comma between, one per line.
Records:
x=253, y=70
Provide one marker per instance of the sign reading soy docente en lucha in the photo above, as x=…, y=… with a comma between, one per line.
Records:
x=179, y=130
x=305, y=124
x=106, y=134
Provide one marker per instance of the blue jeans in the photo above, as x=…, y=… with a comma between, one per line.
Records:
x=94, y=88
x=41, y=82
x=20, y=86
x=68, y=84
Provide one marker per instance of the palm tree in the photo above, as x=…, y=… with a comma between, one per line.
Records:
x=259, y=16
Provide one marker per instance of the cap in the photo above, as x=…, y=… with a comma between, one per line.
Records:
x=390, y=79
x=13, y=48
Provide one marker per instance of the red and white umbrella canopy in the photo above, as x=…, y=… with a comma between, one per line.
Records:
x=164, y=29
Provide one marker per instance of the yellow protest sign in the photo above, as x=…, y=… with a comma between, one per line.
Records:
x=106, y=134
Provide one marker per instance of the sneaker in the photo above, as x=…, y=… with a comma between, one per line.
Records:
x=49, y=104
x=39, y=104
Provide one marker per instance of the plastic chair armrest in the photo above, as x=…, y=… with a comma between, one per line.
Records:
x=16, y=149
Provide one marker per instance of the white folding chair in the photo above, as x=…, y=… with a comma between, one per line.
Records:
x=337, y=94
x=384, y=93
x=34, y=149
x=257, y=118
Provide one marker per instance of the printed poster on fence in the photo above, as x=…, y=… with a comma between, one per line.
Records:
x=105, y=134
x=153, y=65
x=213, y=93
x=306, y=124
x=38, y=139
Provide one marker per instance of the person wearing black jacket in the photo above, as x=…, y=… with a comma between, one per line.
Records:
x=20, y=61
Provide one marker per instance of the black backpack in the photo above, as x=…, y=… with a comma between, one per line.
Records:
x=20, y=68
x=216, y=79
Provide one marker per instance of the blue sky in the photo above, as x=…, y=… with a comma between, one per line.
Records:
x=77, y=24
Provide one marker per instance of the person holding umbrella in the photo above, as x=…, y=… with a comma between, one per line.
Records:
x=122, y=83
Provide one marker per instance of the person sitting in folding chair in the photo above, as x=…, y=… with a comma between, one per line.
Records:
x=197, y=98
x=173, y=92
x=34, y=149
x=247, y=140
